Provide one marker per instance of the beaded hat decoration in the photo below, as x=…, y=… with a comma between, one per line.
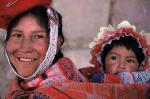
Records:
x=108, y=34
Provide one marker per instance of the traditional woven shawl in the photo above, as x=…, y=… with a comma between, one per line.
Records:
x=75, y=90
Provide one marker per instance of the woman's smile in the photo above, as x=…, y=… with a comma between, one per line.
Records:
x=26, y=59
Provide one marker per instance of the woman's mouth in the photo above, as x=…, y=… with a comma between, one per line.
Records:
x=26, y=59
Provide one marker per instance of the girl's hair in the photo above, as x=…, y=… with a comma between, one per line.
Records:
x=40, y=14
x=127, y=41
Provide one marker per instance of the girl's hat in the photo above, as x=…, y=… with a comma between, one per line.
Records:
x=108, y=34
x=11, y=8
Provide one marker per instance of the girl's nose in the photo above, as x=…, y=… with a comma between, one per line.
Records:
x=121, y=64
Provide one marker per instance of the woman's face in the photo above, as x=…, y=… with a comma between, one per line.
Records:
x=27, y=46
x=120, y=59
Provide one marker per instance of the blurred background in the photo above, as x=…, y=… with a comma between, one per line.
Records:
x=81, y=22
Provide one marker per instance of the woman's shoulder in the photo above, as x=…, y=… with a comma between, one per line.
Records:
x=70, y=70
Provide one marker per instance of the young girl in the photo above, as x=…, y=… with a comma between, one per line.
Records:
x=123, y=52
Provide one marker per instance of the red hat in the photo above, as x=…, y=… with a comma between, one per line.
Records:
x=11, y=8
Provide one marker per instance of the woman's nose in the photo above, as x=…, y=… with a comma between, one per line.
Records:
x=26, y=45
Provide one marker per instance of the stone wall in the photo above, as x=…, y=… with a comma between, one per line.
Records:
x=81, y=20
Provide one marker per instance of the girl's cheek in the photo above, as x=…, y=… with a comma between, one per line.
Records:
x=112, y=63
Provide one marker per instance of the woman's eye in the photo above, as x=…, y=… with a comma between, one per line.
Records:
x=38, y=36
x=17, y=35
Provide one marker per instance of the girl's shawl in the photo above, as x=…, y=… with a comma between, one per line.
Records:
x=139, y=77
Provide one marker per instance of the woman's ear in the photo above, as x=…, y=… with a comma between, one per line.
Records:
x=59, y=42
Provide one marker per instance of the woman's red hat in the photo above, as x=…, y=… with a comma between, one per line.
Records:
x=11, y=8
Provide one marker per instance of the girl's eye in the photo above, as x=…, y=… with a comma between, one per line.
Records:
x=113, y=57
x=130, y=60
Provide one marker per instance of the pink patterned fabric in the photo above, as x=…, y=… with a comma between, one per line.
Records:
x=64, y=69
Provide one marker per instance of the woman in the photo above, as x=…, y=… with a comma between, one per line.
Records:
x=33, y=48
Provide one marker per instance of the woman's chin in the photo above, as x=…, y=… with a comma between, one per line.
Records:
x=25, y=74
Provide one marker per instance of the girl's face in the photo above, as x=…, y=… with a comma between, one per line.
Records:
x=120, y=59
x=27, y=46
